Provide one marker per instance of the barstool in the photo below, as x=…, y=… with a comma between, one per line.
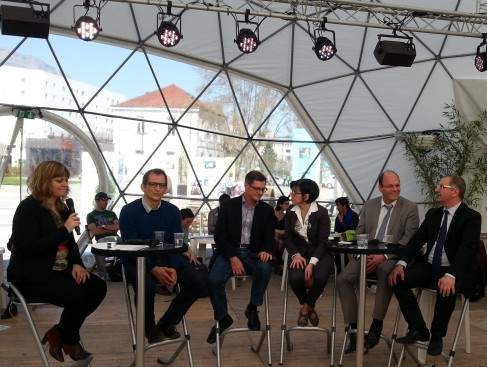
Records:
x=19, y=300
x=349, y=330
x=448, y=358
x=183, y=340
x=330, y=333
x=263, y=333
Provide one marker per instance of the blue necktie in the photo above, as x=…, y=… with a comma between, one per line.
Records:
x=436, y=263
x=382, y=230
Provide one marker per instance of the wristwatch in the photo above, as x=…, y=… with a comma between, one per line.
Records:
x=103, y=226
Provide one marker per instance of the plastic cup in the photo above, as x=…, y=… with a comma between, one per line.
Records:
x=178, y=239
x=159, y=235
x=362, y=240
x=111, y=242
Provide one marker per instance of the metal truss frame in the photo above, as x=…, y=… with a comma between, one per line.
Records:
x=347, y=12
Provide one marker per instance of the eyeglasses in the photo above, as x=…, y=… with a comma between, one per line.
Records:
x=156, y=184
x=390, y=187
x=103, y=199
x=441, y=186
x=259, y=189
x=296, y=193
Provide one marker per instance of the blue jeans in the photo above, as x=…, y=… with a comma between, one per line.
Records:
x=221, y=271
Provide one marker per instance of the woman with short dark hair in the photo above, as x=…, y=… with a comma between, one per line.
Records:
x=306, y=232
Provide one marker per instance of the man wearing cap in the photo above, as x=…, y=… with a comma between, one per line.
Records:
x=102, y=223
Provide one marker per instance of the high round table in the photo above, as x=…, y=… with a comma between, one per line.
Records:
x=140, y=252
x=380, y=249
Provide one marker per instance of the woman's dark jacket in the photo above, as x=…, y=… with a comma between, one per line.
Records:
x=35, y=240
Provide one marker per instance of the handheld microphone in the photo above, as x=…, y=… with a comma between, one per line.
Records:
x=70, y=204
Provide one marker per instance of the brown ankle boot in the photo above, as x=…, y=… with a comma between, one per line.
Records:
x=76, y=351
x=55, y=339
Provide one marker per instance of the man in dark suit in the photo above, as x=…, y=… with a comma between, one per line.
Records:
x=401, y=222
x=452, y=234
x=244, y=238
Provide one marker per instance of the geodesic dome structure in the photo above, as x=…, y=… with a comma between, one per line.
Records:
x=350, y=107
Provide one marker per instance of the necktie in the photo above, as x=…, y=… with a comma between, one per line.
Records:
x=382, y=230
x=436, y=263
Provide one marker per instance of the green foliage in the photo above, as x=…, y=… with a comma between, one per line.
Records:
x=458, y=150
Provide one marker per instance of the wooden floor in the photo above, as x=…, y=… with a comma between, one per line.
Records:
x=106, y=334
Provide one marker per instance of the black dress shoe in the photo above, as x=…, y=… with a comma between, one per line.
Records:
x=415, y=335
x=224, y=323
x=435, y=346
x=352, y=344
x=253, y=322
x=373, y=336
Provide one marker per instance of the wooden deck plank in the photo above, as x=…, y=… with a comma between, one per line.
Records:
x=106, y=334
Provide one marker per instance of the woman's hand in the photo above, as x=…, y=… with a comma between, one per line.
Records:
x=72, y=222
x=80, y=274
x=298, y=262
x=191, y=257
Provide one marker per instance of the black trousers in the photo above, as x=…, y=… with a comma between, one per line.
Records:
x=77, y=300
x=321, y=272
x=421, y=275
x=193, y=285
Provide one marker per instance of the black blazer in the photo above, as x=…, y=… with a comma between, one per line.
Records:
x=318, y=232
x=228, y=230
x=35, y=238
x=461, y=242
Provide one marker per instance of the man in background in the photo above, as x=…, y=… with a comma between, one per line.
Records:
x=102, y=223
x=213, y=214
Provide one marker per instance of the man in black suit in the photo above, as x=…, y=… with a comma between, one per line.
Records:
x=244, y=238
x=452, y=234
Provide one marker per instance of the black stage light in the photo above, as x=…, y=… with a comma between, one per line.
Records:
x=247, y=42
x=168, y=34
x=481, y=58
x=324, y=48
x=25, y=21
x=87, y=28
x=395, y=53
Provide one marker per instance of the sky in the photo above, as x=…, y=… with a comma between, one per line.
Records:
x=93, y=63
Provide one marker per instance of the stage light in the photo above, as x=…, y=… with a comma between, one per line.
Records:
x=323, y=47
x=25, y=21
x=395, y=53
x=481, y=58
x=168, y=34
x=87, y=28
x=247, y=40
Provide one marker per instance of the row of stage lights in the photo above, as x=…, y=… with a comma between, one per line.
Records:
x=247, y=36
x=33, y=22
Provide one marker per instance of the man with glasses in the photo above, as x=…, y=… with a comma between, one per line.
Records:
x=452, y=235
x=102, y=223
x=138, y=220
x=389, y=214
x=244, y=238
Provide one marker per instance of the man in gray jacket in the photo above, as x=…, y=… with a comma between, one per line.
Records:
x=387, y=214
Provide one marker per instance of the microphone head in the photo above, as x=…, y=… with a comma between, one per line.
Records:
x=70, y=204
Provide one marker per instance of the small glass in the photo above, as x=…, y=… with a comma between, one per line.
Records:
x=111, y=242
x=178, y=239
x=362, y=240
x=159, y=235
x=388, y=239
